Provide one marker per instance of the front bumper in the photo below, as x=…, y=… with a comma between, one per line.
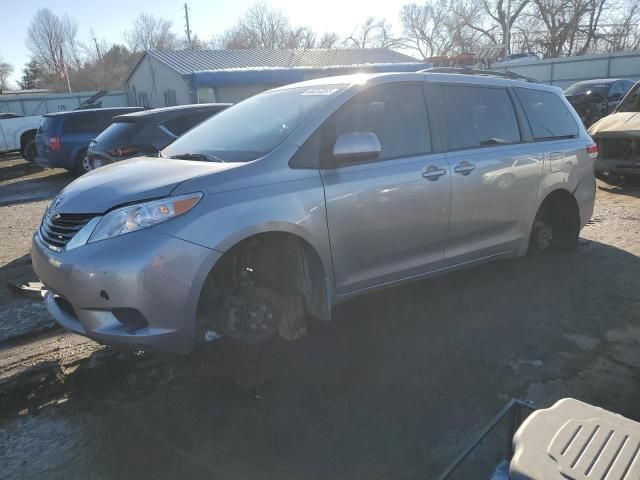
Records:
x=155, y=279
x=621, y=167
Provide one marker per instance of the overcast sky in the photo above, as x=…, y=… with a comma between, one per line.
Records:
x=207, y=17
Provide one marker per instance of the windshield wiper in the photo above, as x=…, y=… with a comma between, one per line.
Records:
x=197, y=156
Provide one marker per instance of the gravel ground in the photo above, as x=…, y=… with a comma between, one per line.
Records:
x=394, y=388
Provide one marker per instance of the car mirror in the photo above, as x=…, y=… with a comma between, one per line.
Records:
x=356, y=147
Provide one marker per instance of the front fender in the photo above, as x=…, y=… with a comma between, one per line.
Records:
x=222, y=220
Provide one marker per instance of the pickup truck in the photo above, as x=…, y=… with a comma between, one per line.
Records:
x=18, y=134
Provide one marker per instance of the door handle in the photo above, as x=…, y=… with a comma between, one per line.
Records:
x=464, y=167
x=433, y=173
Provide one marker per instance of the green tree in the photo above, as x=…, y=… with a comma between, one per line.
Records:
x=33, y=75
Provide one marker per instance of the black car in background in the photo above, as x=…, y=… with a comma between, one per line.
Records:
x=594, y=99
x=147, y=132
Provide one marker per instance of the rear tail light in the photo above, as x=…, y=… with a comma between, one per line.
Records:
x=592, y=150
x=54, y=143
x=125, y=151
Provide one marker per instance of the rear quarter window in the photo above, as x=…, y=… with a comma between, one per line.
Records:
x=548, y=116
x=79, y=123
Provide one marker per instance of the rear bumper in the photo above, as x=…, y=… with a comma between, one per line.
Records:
x=137, y=290
x=42, y=162
x=585, y=195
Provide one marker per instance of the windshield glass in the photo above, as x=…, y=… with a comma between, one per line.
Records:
x=255, y=126
x=601, y=89
x=630, y=102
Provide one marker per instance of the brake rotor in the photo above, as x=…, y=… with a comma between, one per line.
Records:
x=250, y=318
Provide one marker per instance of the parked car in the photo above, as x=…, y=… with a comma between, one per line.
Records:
x=18, y=133
x=617, y=137
x=63, y=137
x=594, y=99
x=5, y=115
x=304, y=196
x=519, y=57
x=146, y=132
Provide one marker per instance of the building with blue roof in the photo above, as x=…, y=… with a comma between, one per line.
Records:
x=165, y=78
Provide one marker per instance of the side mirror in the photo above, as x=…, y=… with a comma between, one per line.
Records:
x=356, y=147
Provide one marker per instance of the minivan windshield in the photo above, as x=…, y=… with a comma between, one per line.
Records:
x=601, y=89
x=254, y=127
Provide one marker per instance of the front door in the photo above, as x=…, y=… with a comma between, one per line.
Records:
x=387, y=218
x=494, y=176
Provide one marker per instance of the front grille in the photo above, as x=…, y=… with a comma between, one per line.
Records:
x=59, y=229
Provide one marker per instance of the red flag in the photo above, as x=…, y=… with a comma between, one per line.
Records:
x=62, y=69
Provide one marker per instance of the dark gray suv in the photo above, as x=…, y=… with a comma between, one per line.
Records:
x=147, y=132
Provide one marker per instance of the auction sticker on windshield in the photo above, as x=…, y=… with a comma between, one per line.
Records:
x=320, y=91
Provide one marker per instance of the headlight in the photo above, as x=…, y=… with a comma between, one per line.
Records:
x=142, y=215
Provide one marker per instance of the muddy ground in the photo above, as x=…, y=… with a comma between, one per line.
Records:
x=395, y=387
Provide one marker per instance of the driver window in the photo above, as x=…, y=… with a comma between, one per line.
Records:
x=395, y=113
x=617, y=90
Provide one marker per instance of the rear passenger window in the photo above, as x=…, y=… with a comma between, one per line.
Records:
x=548, y=116
x=80, y=123
x=104, y=120
x=395, y=113
x=477, y=117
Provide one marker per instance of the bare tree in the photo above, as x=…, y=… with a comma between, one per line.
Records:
x=497, y=12
x=427, y=27
x=263, y=27
x=95, y=48
x=6, y=69
x=150, y=33
x=52, y=39
x=372, y=33
x=328, y=40
x=563, y=28
x=623, y=33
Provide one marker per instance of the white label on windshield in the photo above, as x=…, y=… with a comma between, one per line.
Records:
x=320, y=91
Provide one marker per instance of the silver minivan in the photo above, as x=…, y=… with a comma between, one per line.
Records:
x=294, y=200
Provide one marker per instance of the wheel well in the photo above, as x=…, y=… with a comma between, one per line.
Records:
x=282, y=261
x=26, y=137
x=561, y=201
x=560, y=210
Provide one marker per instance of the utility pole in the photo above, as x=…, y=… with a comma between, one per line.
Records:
x=186, y=16
x=507, y=33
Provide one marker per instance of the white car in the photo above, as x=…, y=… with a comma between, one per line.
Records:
x=18, y=134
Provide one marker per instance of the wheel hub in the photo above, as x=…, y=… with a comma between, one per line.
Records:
x=544, y=237
x=250, y=320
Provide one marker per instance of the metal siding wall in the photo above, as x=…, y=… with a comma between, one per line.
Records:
x=563, y=72
x=38, y=104
x=154, y=78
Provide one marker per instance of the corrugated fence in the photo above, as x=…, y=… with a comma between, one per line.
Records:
x=565, y=71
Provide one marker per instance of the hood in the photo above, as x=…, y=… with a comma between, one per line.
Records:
x=622, y=124
x=129, y=181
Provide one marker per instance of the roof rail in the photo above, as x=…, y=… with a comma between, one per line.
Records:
x=475, y=71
